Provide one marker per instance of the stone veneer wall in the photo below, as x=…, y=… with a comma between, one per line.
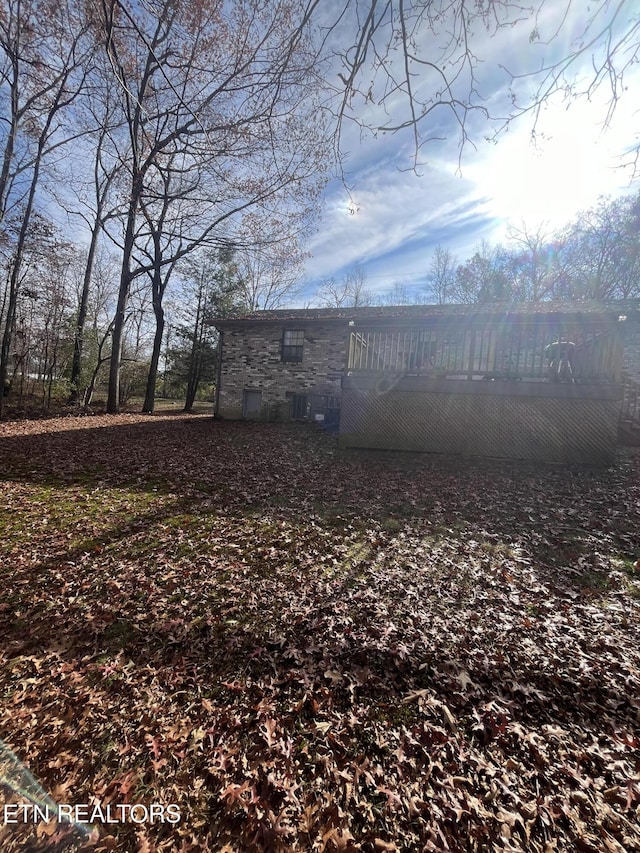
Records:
x=251, y=360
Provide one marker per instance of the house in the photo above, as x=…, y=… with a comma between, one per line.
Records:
x=540, y=381
x=281, y=365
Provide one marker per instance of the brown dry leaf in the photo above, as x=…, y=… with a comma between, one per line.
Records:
x=308, y=649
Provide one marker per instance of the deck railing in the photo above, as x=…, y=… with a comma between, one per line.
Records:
x=519, y=352
x=630, y=408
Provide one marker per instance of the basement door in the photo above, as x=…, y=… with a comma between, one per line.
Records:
x=251, y=404
x=298, y=407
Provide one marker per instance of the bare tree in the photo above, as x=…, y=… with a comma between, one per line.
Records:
x=97, y=334
x=398, y=294
x=487, y=276
x=44, y=61
x=214, y=288
x=183, y=208
x=56, y=309
x=270, y=276
x=534, y=261
x=441, y=277
x=350, y=291
x=93, y=210
x=599, y=258
x=409, y=64
x=235, y=101
x=42, y=50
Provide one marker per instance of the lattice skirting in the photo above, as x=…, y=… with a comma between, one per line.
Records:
x=545, y=429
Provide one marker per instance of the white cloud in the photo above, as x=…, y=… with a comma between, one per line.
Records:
x=392, y=209
x=401, y=217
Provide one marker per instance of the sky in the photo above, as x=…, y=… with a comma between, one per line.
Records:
x=388, y=219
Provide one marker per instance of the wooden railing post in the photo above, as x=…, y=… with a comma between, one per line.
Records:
x=472, y=352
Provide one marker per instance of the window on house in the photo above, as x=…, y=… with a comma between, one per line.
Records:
x=292, y=344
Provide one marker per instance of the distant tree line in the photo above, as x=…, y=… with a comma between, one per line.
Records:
x=594, y=257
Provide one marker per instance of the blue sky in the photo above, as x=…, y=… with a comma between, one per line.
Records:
x=400, y=216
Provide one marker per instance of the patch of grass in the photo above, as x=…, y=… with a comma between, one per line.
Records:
x=497, y=549
x=119, y=634
x=397, y=714
x=597, y=581
x=81, y=519
x=627, y=565
x=357, y=553
x=169, y=405
x=393, y=524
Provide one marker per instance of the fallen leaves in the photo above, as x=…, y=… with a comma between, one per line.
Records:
x=314, y=650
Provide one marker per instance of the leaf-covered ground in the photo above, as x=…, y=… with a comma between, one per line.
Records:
x=308, y=649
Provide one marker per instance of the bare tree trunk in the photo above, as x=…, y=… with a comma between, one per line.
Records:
x=88, y=394
x=6, y=339
x=150, y=395
x=14, y=279
x=166, y=359
x=195, y=362
x=113, y=398
x=9, y=147
x=101, y=193
x=159, y=282
x=76, y=366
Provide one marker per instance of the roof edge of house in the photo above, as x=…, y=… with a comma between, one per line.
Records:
x=411, y=313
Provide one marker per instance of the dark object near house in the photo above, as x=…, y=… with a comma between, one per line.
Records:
x=560, y=356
